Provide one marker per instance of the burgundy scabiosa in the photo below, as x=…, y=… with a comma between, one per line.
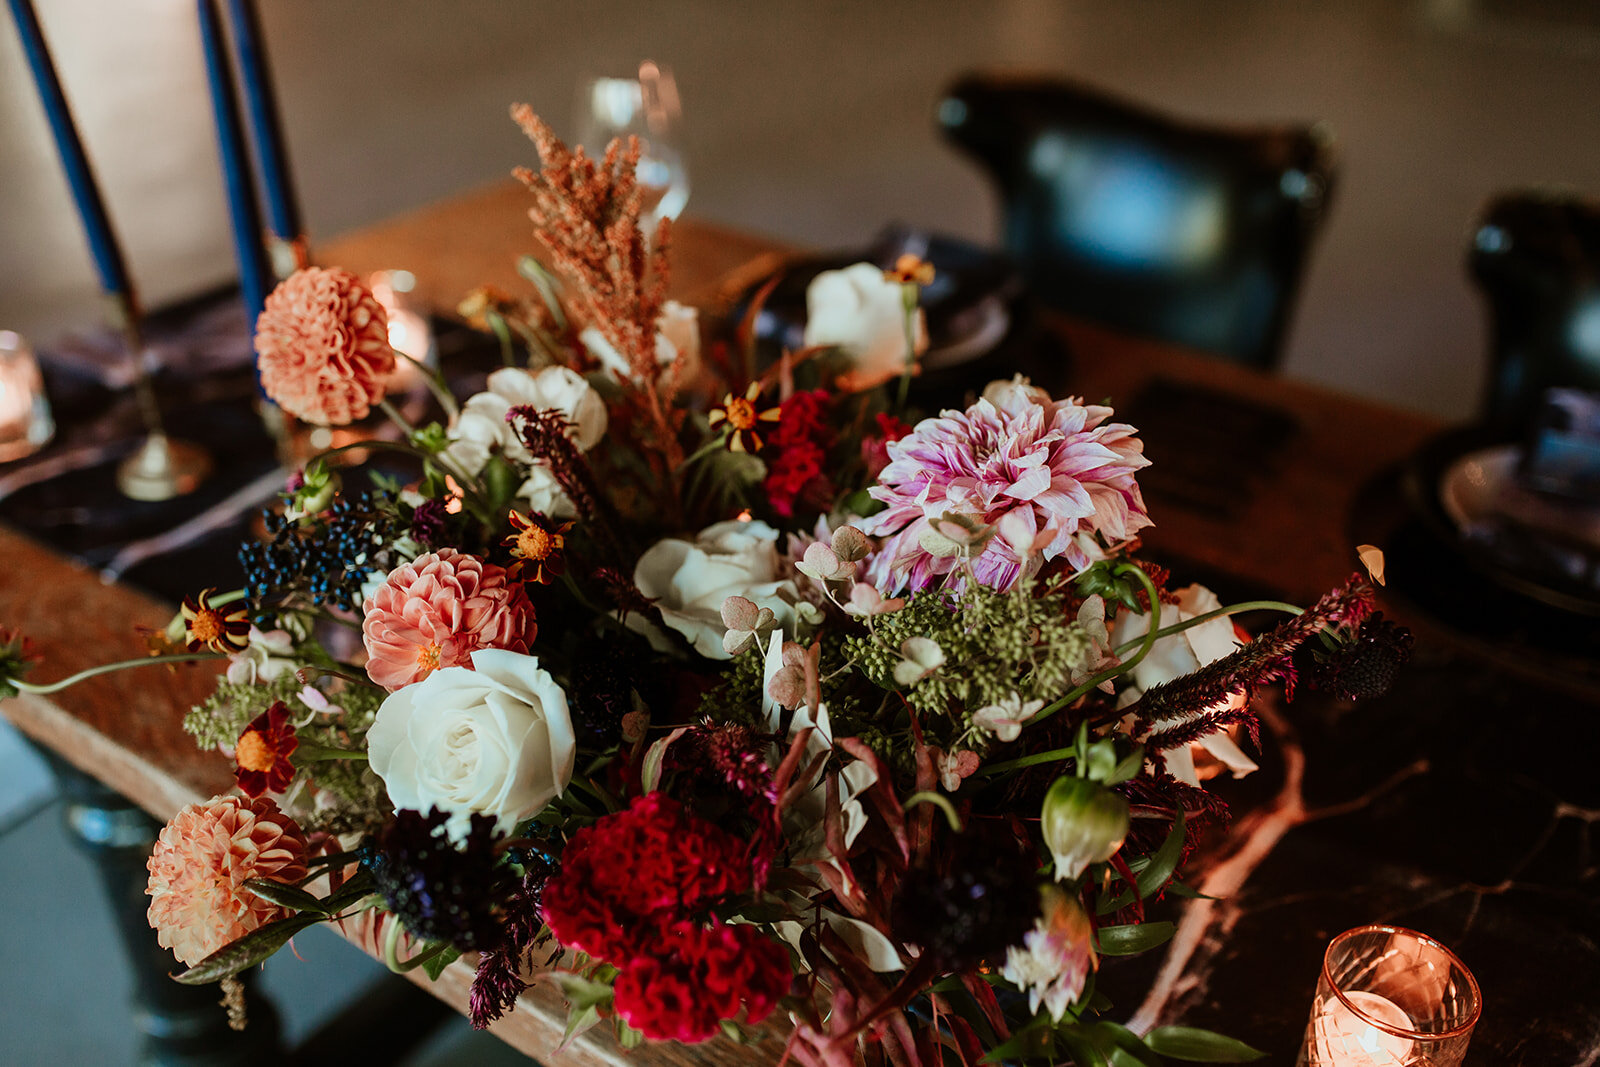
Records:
x=1054, y=469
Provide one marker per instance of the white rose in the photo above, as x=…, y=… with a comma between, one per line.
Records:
x=495, y=739
x=860, y=311
x=690, y=580
x=677, y=338
x=482, y=427
x=1180, y=654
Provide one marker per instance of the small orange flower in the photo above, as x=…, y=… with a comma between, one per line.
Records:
x=742, y=418
x=219, y=629
x=261, y=756
x=910, y=270
x=538, y=545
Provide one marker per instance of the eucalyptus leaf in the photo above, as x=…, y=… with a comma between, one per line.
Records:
x=1132, y=939
x=287, y=896
x=1200, y=1046
x=247, y=951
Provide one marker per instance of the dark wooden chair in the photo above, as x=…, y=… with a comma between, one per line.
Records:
x=1183, y=232
x=1536, y=258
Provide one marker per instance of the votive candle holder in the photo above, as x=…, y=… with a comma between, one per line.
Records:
x=1390, y=997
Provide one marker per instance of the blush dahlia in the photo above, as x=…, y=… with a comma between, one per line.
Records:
x=436, y=611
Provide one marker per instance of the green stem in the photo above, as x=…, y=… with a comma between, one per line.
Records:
x=1231, y=609
x=397, y=417
x=436, y=385
x=908, y=304
x=391, y=949
x=938, y=800
x=498, y=325
x=107, y=668
x=1121, y=668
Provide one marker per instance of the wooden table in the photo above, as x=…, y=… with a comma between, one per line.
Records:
x=1289, y=536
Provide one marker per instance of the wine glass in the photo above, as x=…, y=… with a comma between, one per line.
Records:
x=646, y=107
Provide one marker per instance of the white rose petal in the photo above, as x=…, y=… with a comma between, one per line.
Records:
x=495, y=740
x=861, y=312
x=690, y=581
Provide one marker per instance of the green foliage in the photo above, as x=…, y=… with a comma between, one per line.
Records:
x=222, y=717
x=996, y=644
x=1203, y=1046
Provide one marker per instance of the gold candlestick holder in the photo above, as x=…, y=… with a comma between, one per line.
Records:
x=161, y=468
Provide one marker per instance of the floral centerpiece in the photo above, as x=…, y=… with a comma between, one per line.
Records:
x=717, y=693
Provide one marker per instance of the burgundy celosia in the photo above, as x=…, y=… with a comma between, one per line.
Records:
x=637, y=871
x=702, y=975
x=1050, y=467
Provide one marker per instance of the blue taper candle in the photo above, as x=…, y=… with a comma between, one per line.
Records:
x=242, y=211
x=283, y=212
x=108, y=261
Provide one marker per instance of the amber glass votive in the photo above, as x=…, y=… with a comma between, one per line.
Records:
x=25, y=422
x=1390, y=997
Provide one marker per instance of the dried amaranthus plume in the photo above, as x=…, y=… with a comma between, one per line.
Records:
x=1265, y=659
x=588, y=217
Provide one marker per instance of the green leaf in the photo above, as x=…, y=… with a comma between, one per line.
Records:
x=1133, y=939
x=1129, y=768
x=248, y=951
x=627, y=1036
x=1129, y=1049
x=1034, y=1039
x=1163, y=861
x=287, y=896
x=500, y=481
x=579, y=1020
x=1083, y=1049
x=734, y=1032
x=582, y=992
x=434, y=967
x=1202, y=1046
x=1101, y=760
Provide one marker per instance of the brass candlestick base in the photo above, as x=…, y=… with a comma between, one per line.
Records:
x=162, y=469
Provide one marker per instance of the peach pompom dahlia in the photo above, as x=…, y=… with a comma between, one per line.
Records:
x=436, y=611
x=322, y=344
x=201, y=861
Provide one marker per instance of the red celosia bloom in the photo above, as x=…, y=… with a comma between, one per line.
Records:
x=799, y=444
x=636, y=871
x=261, y=757
x=701, y=976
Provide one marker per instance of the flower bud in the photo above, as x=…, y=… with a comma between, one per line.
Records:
x=1083, y=823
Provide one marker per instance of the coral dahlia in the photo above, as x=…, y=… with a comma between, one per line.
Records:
x=436, y=611
x=1052, y=470
x=201, y=861
x=322, y=343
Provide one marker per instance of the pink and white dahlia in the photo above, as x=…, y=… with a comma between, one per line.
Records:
x=1054, y=478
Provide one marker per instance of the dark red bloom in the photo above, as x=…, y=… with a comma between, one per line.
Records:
x=875, y=447
x=799, y=451
x=262, y=753
x=637, y=871
x=700, y=976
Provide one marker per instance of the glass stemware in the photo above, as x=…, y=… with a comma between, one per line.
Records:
x=646, y=107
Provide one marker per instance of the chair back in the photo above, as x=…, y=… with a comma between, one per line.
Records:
x=1183, y=232
x=1536, y=258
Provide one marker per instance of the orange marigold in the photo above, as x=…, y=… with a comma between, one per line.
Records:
x=322, y=343
x=201, y=861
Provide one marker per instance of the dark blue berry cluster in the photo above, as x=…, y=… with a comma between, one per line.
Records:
x=325, y=559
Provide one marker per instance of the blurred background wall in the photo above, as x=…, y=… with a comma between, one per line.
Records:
x=813, y=121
